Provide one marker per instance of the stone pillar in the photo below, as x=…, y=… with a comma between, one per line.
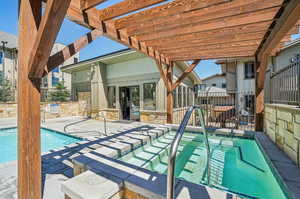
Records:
x=161, y=97
x=98, y=88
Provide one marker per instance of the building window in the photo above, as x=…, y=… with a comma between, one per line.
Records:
x=75, y=60
x=249, y=70
x=111, y=91
x=214, y=85
x=223, y=85
x=249, y=103
x=150, y=96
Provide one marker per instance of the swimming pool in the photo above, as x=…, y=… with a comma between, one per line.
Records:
x=237, y=164
x=50, y=140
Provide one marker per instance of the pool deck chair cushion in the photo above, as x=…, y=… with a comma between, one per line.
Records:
x=89, y=185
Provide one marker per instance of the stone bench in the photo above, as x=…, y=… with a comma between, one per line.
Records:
x=89, y=185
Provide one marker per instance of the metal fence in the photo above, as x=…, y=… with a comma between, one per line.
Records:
x=233, y=110
x=283, y=86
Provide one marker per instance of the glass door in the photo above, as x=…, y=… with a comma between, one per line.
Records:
x=134, y=92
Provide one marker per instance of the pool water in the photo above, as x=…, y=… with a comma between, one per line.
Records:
x=50, y=140
x=237, y=164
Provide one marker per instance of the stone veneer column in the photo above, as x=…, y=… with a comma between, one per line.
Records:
x=161, y=97
x=98, y=87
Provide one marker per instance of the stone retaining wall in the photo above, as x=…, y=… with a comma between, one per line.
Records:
x=49, y=110
x=155, y=117
x=282, y=125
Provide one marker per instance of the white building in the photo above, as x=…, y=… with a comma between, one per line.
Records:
x=240, y=80
x=216, y=80
x=127, y=85
x=9, y=64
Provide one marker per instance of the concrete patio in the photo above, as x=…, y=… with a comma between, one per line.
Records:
x=57, y=166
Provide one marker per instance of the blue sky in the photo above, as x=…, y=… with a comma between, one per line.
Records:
x=71, y=31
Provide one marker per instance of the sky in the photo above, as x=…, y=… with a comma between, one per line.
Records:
x=70, y=32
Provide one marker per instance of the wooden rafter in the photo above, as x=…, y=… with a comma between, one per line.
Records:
x=214, y=56
x=208, y=44
x=70, y=50
x=233, y=46
x=87, y=4
x=111, y=32
x=218, y=52
x=174, y=7
x=125, y=7
x=51, y=22
x=233, y=21
x=214, y=36
x=223, y=10
x=186, y=72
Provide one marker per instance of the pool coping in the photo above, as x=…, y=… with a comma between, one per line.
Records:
x=283, y=167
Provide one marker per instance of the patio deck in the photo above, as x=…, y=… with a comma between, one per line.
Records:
x=57, y=165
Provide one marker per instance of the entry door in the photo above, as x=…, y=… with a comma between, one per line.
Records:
x=134, y=92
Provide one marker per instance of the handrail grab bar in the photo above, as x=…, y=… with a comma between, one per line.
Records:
x=174, y=147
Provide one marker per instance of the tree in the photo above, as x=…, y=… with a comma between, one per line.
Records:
x=61, y=94
x=6, y=91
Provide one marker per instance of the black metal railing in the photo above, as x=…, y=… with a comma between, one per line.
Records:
x=233, y=110
x=283, y=86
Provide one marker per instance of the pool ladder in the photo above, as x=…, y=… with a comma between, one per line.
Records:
x=174, y=148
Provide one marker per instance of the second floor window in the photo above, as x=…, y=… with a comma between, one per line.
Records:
x=223, y=85
x=249, y=70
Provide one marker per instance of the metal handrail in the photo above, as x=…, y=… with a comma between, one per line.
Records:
x=174, y=147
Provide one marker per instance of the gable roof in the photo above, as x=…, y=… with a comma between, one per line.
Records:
x=12, y=40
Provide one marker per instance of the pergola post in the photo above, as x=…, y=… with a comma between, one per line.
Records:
x=259, y=99
x=169, y=76
x=29, y=141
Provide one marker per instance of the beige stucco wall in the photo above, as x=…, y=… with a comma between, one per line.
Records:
x=282, y=125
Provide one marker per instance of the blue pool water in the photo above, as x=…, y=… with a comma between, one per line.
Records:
x=237, y=165
x=50, y=140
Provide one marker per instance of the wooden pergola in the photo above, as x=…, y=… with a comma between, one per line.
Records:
x=185, y=30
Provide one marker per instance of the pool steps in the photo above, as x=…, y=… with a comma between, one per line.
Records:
x=100, y=161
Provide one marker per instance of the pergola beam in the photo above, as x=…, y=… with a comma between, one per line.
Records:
x=50, y=25
x=70, y=50
x=186, y=72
